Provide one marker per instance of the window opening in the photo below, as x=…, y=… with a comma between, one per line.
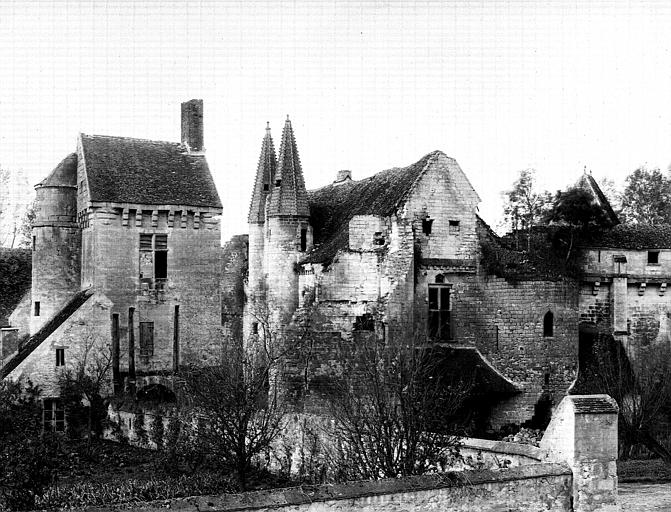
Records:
x=378, y=238
x=454, y=227
x=153, y=259
x=278, y=183
x=547, y=378
x=364, y=322
x=304, y=239
x=60, y=357
x=439, y=312
x=34, y=241
x=146, y=339
x=440, y=278
x=548, y=324
x=266, y=187
x=53, y=419
x=427, y=225
x=255, y=327
x=653, y=257
x=37, y=308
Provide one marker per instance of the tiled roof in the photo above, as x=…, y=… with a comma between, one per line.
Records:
x=332, y=206
x=125, y=170
x=589, y=184
x=47, y=330
x=634, y=237
x=64, y=175
x=594, y=404
x=265, y=177
x=288, y=195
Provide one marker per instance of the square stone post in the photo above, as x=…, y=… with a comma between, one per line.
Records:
x=583, y=433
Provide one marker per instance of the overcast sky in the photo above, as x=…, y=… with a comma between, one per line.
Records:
x=498, y=85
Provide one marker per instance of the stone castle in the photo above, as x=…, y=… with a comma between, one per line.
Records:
x=127, y=261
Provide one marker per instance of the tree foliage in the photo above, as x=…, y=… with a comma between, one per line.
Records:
x=646, y=198
x=524, y=206
x=27, y=458
x=15, y=278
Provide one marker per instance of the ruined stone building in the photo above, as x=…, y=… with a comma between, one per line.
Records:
x=126, y=252
x=127, y=261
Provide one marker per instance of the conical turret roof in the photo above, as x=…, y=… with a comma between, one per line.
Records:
x=265, y=176
x=288, y=195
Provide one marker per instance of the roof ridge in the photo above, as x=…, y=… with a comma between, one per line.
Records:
x=138, y=139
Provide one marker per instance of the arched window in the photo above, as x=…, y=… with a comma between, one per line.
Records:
x=548, y=324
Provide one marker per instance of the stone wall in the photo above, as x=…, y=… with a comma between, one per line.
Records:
x=234, y=270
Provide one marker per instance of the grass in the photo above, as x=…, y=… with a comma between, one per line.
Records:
x=643, y=470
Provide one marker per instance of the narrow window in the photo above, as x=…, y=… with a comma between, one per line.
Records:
x=266, y=187
x=547, y=378
x=161, y=265
x=427, y=225
x=37, y=308
x=496, y=334
x=653, y=257
x=34, y=240
x=53, y=419
x=255, y=327
x=146, y=339
x=175, y=340
x=548, y=324
x=364, y=323
x=278, y=183
x=304, y=239
x=439, y=312
x=60, y=357
x=598, y=256
x=454, y=227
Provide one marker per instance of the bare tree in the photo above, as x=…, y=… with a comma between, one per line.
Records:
x=87, y=380
x=394, y=410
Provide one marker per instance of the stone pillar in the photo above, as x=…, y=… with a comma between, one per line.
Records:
x=583, y=433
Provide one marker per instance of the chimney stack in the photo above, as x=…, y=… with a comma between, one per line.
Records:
x=343, y=175
x=192, y=125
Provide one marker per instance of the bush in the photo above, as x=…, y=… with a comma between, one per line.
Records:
x=140, y=429
x=158, y=431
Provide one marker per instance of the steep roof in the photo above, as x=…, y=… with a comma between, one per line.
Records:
x=634, y=237
x=288, y=195
x=589, y=184
x=332, y=206
x=47, y=330
x=64, y=175
x=126, y=170
x=265, y=177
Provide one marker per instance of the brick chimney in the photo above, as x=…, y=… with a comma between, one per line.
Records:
x=343, y=175
x=192, y=125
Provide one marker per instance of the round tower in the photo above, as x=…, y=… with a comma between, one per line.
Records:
x=56, y=243
x=288, y=233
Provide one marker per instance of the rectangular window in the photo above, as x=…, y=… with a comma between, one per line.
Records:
x=427, y=225
x=304, y=239
x=364, y=323
x=454, y=227
x=146, y=339
x=153, y=259
x=60, y=357
x=37, y=308
x=439, y=313
x=378, y=238
x=653, y=257
x=53, y=419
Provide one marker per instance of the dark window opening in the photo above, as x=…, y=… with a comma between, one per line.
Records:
x=34, y=240
x=547, y=378
x=364, y=323
x=304, y=239
x=60, y=357
x=440, y=313
x=53, y=415
x=548, y=324
x=426, y=226
x=653, y=257
x=496, y=335
x=266, y=187
x=454, y=227
x=36, y=312
x=278, y=183
x=146, y=339
x=255, y=327
x=440, y=278
x=378, y=238
x=161, y=264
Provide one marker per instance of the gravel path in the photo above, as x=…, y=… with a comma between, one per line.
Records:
x=645, y=497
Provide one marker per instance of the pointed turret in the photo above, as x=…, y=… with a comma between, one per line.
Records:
x=265, y=176
x=288, y=196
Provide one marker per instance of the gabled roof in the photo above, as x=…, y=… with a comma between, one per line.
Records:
x=288, y=195
x=126, y=170
x=265, y=177
x=47, y=330
x=64, y=175
x=332, y=206
x=589, y=184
